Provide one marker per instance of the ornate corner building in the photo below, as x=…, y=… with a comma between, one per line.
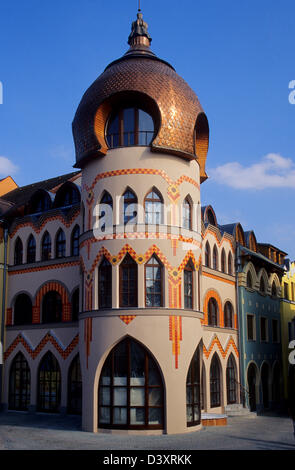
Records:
x=121, y=299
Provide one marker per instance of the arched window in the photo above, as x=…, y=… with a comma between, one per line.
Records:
x=46, y=247
x=105, y=284
x=60, y=244
x=40, y=202
x=49, y=384
x=274, y=289
x=153, y=205
x=207, y=255
x=213, y=313
x=23, y=310
x=230, y=264
x=188, y=284
x=130, y=394
x=19, y=384
x=215, y=382
x=129, y=126
x=75, y=305
x=262, y=285
x=31, y=250
x=228, y=315
x=223, y=261
x=75, y=387
x=210, y=217
x=67, y=195
x=193, y=401
x=215, y=258
x=130, y=207
x=18, y=251
x=187, y=214
x=153, y=283
x=249, y=280
x=231, y=380
x=75, y=241
x=106, y=212
x=128, y=282
x=52, y=308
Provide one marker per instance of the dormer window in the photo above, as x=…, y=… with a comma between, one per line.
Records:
x=128, y=127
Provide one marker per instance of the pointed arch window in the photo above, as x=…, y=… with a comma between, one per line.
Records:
x=75, y=241
x=18, y=252
x=131, y=393
x=231, y=380
x=153, y=205
x=193, y=400
x=49, y=384
x=130, y=207
x=215, y=258
x=207, y=255
x=31, y=250
x=46, y=247
x=223, y=261
x=60, y=244
x=262, y=285
x=215, y=382
x=19, y=384
x=230, y=264
x=274, y=289
x=106, y=212
x=105, y=284
x=52, y=307
x=188, y=284
x=213, y=312
x=249, y=280
x=187, y=214
x=129, y=126
x=23, y=310
x=228, y=315
x=153, y=283
x=75, y=387
x=128, y=282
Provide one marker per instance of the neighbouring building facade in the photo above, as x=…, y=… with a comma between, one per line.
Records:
x=122, y=301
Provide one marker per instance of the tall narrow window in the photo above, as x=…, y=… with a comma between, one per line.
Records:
x=153, y=283
x=215, y=382
x=46, y=247
x=187, y=214
x=230, y=264
x=228, y=315
x=249, y=280
x=223, y=261
x=130, y=207
x=31, y=250
x=213, y=312
x=129, y=126
x=23, y=310
x=207, y=255
x=49, y=384
x=60, y=245
x=18, y=251
x=153, y=204
x=75, y=305
x=262, y=285
x=215, y=258
x=128, y=282
x=75, y=241
x=105, y=284
x=188, y=283
x=75, y=387
x=231, y=380
x=19, y=384
x=131, y=393
x=106, y=212
x=193, y=401
x=51, y=307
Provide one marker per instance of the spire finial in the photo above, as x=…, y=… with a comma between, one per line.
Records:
x=139, y=9
x=139, y=31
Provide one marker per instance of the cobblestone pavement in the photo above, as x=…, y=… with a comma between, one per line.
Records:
x=20, y=431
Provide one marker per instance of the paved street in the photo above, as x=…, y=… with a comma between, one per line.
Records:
x=19, y=431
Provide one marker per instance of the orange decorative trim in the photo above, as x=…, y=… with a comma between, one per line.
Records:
x=44, y=268
x=219, y=242
x=218, y=278
x=38, y=229
x=48, y=338
x=212, y=293
x=127, y=318
x=8, y=316
x=87, y=337
x=175, y=335
x=223, y=352
x=55, y=286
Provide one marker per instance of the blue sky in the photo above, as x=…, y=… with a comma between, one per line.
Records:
x=237, y=56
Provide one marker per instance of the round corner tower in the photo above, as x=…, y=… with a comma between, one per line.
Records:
x=141, y=139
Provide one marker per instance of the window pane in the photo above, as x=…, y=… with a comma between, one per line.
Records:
x=137, y=396
x=120, y=416
x=120, y=396
x=155, y=416
x=155, y=397
x=105, y=395
x=104, y=415
x=137, y=416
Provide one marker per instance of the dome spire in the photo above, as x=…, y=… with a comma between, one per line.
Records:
x=139, y=31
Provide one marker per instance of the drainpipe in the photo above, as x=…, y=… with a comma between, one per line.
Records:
x=3, y=310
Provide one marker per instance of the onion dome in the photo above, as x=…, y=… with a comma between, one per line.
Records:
x=140, y=79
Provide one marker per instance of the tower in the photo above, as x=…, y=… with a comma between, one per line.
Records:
x=141, y=139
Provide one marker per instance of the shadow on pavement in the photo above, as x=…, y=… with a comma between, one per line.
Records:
x=41, y=420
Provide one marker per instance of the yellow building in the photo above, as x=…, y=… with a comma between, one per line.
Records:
x=288, y=325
